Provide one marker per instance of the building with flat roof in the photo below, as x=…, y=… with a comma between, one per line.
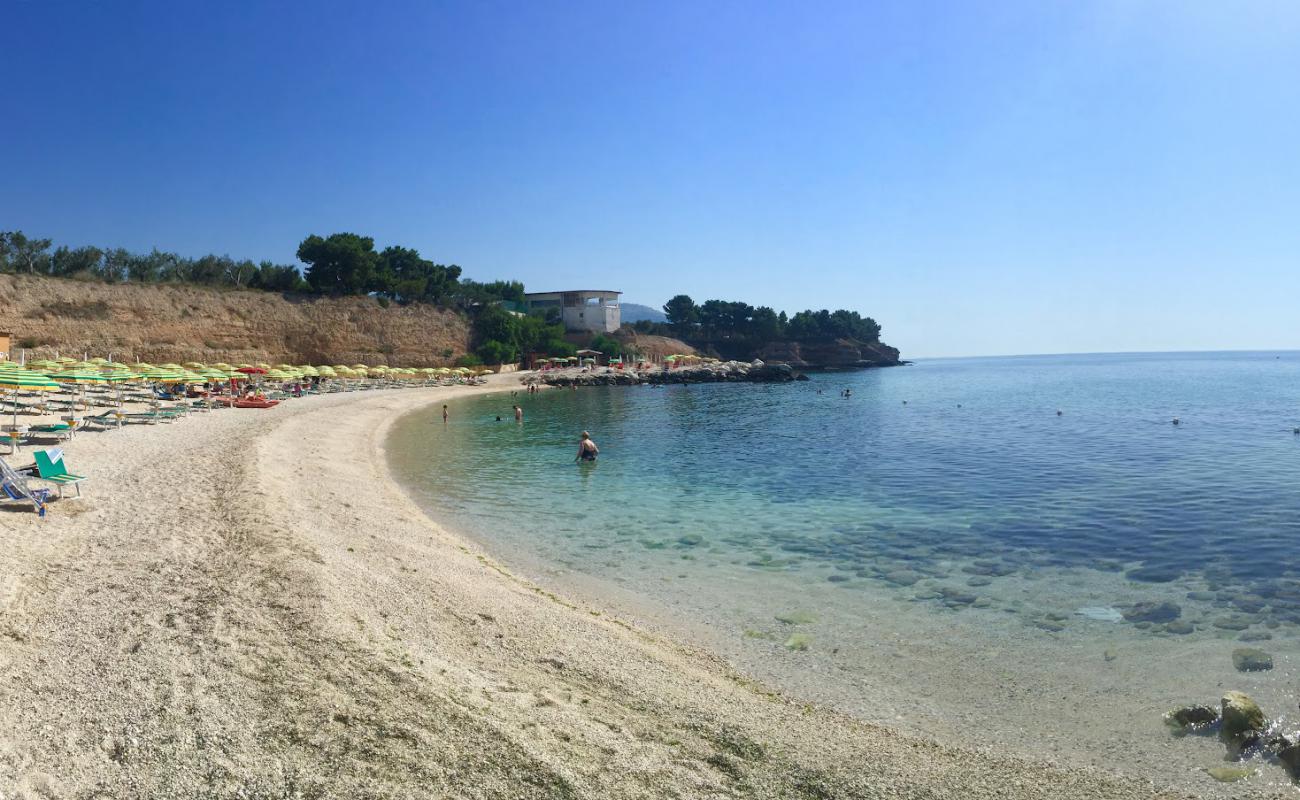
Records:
x=587, y=310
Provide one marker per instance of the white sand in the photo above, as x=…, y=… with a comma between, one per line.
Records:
x=245, y=605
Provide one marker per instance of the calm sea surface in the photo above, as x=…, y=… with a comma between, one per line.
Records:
x=944, y=522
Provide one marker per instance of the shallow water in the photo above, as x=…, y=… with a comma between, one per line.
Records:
x=958, y=554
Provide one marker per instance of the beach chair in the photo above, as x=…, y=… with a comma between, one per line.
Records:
x=59, y=430
x=109, y=420
x=14, y=488
x=49, y=468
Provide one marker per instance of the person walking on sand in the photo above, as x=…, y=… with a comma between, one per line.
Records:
x=519, y=414
x=587, y=449
x=444, y=414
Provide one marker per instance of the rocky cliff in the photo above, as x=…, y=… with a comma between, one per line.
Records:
x=161, y=322
x=837, y=354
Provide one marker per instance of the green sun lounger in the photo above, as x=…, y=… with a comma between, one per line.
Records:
x=49, y=468
x=61, y=430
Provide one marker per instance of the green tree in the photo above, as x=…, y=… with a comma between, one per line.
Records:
x=607, y=346
x=115, y=264
x=682, y=314
x=343, y=263
x=766, y=325
x=278, y=278
x=28, y=255
x=67, y=262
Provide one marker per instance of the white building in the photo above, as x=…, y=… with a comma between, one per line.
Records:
x=590, y=310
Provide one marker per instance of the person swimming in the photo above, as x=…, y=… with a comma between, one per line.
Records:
x=519, y=414
x=587, y=449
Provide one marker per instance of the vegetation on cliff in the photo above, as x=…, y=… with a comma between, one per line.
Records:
x=348, y=264
x=738, y=329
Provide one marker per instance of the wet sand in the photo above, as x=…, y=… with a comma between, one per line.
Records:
x=246, y=605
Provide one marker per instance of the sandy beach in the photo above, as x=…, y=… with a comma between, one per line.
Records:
x=245, y=604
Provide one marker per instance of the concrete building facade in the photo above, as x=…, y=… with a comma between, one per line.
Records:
x=588, y=310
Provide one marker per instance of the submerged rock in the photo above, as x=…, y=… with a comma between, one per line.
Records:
x=796, y=617
x=902, y=577
x=1232, y=623
x=690, y=539
x=1153, y=612
x=1251, y=659
x=1194, y=716
x=1100, y=613
x=1242, y=716
x=956, y=597
x=1288, y=752
x=1230, y=774
x=1154, y=574
x=798, y=641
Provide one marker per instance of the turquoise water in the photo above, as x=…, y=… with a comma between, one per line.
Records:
x=947, y=493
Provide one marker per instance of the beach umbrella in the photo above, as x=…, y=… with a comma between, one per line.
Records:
x=250, y=370
x=25, y=381
x=79, y=377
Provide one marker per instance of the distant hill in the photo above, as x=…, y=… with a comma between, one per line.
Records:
x=635, y=312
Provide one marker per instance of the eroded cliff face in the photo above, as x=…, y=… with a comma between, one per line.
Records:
x=162, y=323
x=838, y=354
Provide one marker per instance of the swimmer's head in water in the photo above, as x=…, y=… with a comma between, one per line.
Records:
x=586, y=435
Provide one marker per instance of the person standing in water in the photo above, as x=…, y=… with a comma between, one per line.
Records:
x=444, y=414
x=519, y=414
x=587, y=449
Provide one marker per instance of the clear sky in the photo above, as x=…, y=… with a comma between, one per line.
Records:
x=982, y=178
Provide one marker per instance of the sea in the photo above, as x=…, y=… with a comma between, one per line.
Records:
x=1038, y=554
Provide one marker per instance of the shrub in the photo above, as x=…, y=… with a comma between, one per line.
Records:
x=469, y=360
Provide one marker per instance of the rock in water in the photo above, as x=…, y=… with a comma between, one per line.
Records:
x=1100, y=613
x=1288, y=752
x=1230, y=774
x=1154, y=612
x=1242, y=717
x=798, y=641
x=1251, y=659
x=796, y=618
x=1192, y=716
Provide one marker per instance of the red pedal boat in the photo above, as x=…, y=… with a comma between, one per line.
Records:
x=251, y=403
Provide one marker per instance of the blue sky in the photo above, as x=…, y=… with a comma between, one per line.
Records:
x=983, y=178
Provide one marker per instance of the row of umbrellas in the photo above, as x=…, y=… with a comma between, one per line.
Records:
x=50, y=375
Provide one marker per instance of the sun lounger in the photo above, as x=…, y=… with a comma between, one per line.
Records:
x=14, y=488
x=109, y=420
x=59, y=430
x=49, y=468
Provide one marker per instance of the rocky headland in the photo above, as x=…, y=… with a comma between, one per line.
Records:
x=831, y=354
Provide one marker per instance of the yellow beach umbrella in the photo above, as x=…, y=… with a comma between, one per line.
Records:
x=25, y=381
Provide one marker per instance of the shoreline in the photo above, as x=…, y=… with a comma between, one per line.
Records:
x=253, y=603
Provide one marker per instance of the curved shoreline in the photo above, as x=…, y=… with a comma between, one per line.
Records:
x=253, y=604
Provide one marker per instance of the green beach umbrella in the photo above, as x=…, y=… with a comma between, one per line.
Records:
x=25, y=381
